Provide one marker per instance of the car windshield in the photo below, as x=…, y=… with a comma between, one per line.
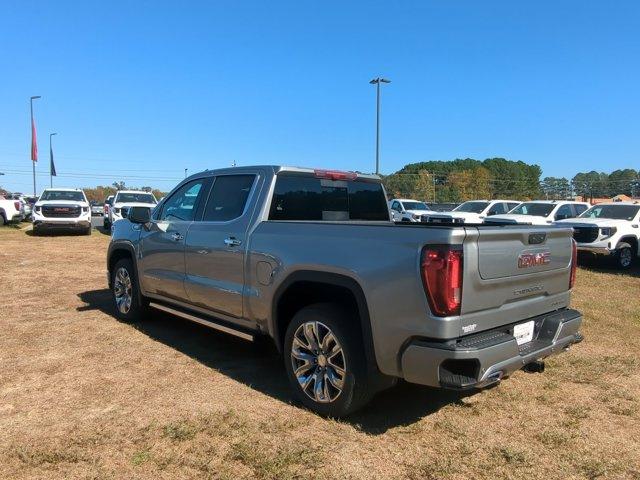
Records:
x=615, y=212
x=471, y=207
x=73, y=196
x=536, y=209
x=415, y=206
x=135, y=198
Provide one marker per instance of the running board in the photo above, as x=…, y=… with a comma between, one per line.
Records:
x=203, y=321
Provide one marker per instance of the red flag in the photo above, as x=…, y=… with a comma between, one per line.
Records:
x=34, y=142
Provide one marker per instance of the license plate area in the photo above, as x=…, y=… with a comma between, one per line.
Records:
x=523, y=332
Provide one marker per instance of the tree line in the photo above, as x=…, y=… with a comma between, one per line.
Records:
x=467, y=179
x=101, y=192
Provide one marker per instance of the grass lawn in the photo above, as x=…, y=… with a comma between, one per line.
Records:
x=85, y=396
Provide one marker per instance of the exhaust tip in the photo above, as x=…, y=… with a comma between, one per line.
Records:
x=536, y=366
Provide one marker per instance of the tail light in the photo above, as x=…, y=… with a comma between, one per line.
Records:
x=17, y=205
x=574, y=263
x=441, y=268
x=106, y=208
x=335, y=175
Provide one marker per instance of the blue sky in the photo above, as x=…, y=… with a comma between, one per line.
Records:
x=142, y=90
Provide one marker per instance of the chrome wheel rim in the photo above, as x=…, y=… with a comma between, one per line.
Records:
x=122, y=290
x=625, y=257
x=318, y=362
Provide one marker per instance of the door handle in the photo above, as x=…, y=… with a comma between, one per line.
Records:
x=232, y=242
x=176, y=237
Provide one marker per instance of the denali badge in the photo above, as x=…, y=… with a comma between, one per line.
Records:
x=526, y=260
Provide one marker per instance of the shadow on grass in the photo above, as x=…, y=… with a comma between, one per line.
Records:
x=607, y=265
x=262, y=368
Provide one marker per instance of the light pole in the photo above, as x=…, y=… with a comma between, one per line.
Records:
x=34, y=145
x=377, y=81
x=52, y=169
x=185, y=172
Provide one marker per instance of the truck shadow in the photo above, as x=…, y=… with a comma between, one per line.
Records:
x=261, y=368
x=606, y=265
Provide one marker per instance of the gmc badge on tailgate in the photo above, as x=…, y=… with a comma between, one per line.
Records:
x=526, y=260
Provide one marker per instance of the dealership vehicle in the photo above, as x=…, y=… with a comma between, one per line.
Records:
x=407, y=210
x=540, y=212
x=97, y=208
x=25, y=206
x=609, y=229
x=123, y=200
x=62, y=209
x=10, y=211
x=310, y=260
x=107, y=205
x=473, y=211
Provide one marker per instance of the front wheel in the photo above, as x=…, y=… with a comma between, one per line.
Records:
x=129, y=304
x=624, y=256
x=323, y=355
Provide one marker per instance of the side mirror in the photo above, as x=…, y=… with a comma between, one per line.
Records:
x=139, y=215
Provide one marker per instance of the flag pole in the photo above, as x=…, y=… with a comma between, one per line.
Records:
x=52, y=168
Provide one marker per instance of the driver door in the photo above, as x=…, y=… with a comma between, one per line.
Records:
x=161, y=263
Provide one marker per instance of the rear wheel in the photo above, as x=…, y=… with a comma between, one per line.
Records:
x=130, y=306
x=87, y=231
x=624, y=256
x=323, y=355
x=3, y=219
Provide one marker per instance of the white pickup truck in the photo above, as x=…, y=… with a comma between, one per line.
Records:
x=62, y=209
x=540, y=212
x=407, y=210
x=10, y=211
x=472, y=212
x=126, y=199
x=608, y=229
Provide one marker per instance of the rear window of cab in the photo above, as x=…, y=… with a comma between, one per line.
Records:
x=302, y=197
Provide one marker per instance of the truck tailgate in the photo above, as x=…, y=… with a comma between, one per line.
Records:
x=507, y=252
x=513, y=273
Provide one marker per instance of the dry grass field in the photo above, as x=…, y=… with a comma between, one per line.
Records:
x=83, y=396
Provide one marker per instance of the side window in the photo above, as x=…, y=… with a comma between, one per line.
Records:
x=496, y=209
x=228, y=197
x=183, y=203
x=395, y=206
x=564, y=212
x=511, y=206
x=580, y=209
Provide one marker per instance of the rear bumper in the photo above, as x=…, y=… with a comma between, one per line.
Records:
x=479, y=360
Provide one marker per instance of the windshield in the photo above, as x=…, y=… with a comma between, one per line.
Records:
x=615, y=212
x=537, y=209
x=62, y=195
x=415, y=206
x=471, y=207
x=135, y=198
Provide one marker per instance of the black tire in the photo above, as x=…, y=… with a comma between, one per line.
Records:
x=624, y=256
x=356, y=390
x=87, y=231
x=137, y=308
x=3, y=219
x=106, y=224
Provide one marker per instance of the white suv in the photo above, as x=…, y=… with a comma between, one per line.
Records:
x=540, y=212
x=473, y=211
x=62, y=209
x=125, y=199
x=407, y=210
x=609, y=229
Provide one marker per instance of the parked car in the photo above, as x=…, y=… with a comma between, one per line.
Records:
x=540, y=212
x=609, y=229
x=97, y=209
x=124, y=199
x=108, y=202
x=11, y=211
x=472, y=212
x=62, y=209
x=407, y=210
x=25, y=206
x=310, y=260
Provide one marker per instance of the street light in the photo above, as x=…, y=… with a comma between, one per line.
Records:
x=34, y=151
x=52, y=169
x=377, y=81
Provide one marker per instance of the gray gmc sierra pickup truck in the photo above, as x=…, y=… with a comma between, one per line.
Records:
x=311, y=260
